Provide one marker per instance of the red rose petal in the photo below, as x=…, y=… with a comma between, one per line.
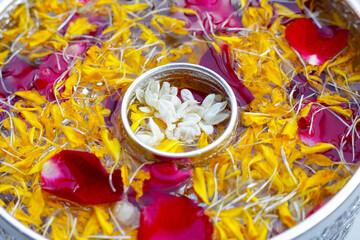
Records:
x=48, y=73
x=174, y=218
x=215, y=15
x=222, y=65
x=329, y=127
x=80, y=177
x=316, y=45
x=17, y=75
x=165, y=177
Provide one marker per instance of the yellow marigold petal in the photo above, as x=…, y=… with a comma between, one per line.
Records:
x=33, y=96
x=22, y=216
x=39, y=164
x=210, y=183
x=232, y=212
x=320, y=178
x=234, y=227
x=243, y=3
x=319, y=159
x=6, y=187
x=354, y=77
x=251, y=230
x=258, y=119
x=103, y=218
x=36, y=206
x=221, y=234
x=333, y=99
x=171, y=24
x=125, y=175
x=142, y=175
x=291, y=128
x=135, y=7
x=138, y=187
x=75, y=138
x=79, y=27
x=231, y=40
x=346, y=112
x=270, y=156
x=58, y=232
x=3, y=56
x=112, y=145
x=31, y=134
x=149, y=36
x=38, y=38
x=69, y=85
x=263, y=230
x=184, y=10
x=305, y=111
x=285, y=215
x=319, y=147
x=220, y=175
x=284, y=11
x=32, y=118
x=21, y=128
x=169, y=145
x=203, y=140
x=36, y=55
x=199, y=184
x=92, y=226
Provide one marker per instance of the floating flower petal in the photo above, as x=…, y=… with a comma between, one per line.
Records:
x=171, y=217
x=222, y=65
x=165, y=177
x=80, y=177
x=316, y=44
x=212, y=16
x=323, y=125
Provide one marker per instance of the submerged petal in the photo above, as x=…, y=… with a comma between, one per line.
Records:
x=170, y=217
x=80, y=177
x=316, y=44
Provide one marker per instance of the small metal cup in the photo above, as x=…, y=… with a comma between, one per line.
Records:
x=181, y=75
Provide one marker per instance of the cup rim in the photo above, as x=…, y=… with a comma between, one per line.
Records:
x=176, y=66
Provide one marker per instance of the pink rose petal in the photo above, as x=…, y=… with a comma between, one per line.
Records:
x=174, y=218
x=80, y=177
x=17, y=75
x=316, y=45
x=215, y=16
x=326, y=126
x=51, y=69
x=165, y=177
x=222, y=64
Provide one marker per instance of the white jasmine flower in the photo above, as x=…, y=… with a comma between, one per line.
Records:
x=186, y=95
x=215, y=115
x=152, y=137
x=140, y=95
x=209, y=129
x=167, y=111
x=185, y=118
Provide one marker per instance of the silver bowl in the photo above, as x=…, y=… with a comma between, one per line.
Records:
x=196, y=77
x=332, y=221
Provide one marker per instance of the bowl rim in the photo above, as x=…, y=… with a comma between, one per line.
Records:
x=180, y=66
